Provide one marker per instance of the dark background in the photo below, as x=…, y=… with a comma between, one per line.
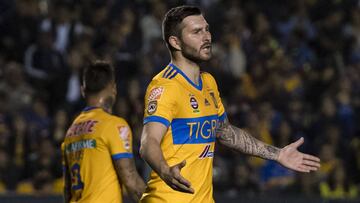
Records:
x=285, y=70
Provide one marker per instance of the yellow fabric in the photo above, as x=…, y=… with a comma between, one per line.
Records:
x=327, y=167
x=191, y=114
x=25, y=188
x=248, y=88
x=292, y=83
x=338, y=193
x=94, y=140
x=2, y=187
x=58, y=186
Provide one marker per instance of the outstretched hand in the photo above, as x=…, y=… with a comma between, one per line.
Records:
x=291, y=158
x=173, y=178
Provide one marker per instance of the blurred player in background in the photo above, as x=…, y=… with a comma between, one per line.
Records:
x=97, y=151
x=184, y=116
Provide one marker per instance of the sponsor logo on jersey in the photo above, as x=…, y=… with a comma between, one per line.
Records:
x=152, y=106
x=124, y=133
x=79, y=145
x=206, y=153
x=194, y=104
x=155, y=94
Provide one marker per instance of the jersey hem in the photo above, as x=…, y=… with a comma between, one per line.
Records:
x=122, y=156
x=157, y=119
x=223, y=117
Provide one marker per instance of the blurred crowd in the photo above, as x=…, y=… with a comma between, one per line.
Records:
x=285, y=70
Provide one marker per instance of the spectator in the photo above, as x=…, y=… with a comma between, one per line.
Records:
x=19, y=92
x=243, y=184
x=338, y=186
x=288, y=70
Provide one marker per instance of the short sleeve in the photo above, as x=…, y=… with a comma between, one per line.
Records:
x=118, y=138
x=160, y=102
x=221, y=109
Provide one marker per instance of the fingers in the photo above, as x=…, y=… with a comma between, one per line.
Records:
x=182, y=164
x=308, y=168
x=312, y=158
x=312, y=163
x=183, y=181
x=178, y=182
x=302, y=168
x=177, y=185
x=298, y=142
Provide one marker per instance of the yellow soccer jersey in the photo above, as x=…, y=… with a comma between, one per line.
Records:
x=93, y=141
x=191, y=113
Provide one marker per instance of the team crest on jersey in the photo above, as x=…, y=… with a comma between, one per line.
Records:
x=207, y=103
x=155, y=94
x=152, y=107
x=214, y=99
x=124, y=133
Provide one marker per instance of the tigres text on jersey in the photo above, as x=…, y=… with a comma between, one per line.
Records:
x=191, y=113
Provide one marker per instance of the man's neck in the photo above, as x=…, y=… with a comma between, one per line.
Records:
x=190, y=69
x=100, y=103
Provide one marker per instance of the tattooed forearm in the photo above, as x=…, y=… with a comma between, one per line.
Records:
x=130, y=178
x=240, y=140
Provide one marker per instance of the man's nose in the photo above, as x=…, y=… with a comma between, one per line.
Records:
x=207, y=37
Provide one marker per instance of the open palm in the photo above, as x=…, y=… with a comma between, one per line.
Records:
x=291, y=158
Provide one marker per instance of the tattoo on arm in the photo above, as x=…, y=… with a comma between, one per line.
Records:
x=129, y=176
x=240, y=140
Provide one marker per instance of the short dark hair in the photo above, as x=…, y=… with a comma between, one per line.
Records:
x=97, y=76
x=173, y=18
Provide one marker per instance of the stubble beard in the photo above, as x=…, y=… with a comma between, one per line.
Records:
x=194, y=55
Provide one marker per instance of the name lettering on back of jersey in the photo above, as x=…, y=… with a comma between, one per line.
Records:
x=81, y=128
x=79, y=145
x=194, y=130
x=124, y=133
x=206, y=153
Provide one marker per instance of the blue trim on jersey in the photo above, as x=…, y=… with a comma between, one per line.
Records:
x=157, y=119
x=223, y=117
x=167, y=70
x=122, y=156
x=89, y=108
x=199, y=87
x=194, y=130
x=169, y=73
x=172, y=76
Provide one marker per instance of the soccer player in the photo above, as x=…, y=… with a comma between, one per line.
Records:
x=184, y=116
x=97, y=150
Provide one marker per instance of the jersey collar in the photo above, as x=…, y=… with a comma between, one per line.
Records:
x=198, y=87
x=89, y=108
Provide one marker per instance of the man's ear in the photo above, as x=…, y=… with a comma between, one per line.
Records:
x=175, y=42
